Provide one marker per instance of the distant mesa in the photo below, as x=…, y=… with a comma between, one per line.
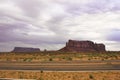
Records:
x=71, y=46
x=83, y=46
x=25, y=49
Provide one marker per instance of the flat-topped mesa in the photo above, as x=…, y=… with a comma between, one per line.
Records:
x=79, y=46
x=100, y=47
x=25, y=49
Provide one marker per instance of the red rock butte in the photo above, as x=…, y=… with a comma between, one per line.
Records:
x=83, y=46
x=25, y=49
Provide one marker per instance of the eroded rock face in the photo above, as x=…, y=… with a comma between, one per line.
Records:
x=78, y=46
x=25, y=49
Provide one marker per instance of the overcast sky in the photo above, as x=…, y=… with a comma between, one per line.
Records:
x=48, y=24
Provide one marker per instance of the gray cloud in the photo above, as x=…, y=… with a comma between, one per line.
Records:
x=93, y=6
x=50, y=23
x=31, y=8
x=114, y=35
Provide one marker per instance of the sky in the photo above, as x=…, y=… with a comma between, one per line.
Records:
x=49, y=24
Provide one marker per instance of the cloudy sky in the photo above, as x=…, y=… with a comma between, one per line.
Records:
x=48, y=24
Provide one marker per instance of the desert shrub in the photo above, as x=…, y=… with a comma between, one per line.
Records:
x=63, y=58
x=102, y=59
x=27, y=59
x=41, y=78
x=69, y=58
x=80, y=56
x=103, y=79
x=91, y=76
x=89, y=59
x=50, y=59
x=41, y=71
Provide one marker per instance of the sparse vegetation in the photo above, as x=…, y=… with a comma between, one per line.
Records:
x=50, y=59
x=61, y=75
x=59, y=56
x=91, y=76
x=27, y=59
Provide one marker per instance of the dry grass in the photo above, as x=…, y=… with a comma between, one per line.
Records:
x=58, y=56
x=61, y=75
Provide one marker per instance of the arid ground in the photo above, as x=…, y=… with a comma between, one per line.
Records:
x=45, y=59
x=59, y=56
x=41, y=75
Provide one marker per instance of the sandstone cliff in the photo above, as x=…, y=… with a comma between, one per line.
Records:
x=79, y=46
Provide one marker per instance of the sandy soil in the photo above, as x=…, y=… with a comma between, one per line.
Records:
x=40, y=75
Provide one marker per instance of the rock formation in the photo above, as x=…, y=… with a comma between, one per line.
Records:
x=79, y=46
x=25, y=49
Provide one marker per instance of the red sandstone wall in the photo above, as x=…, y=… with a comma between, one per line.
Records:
x=77, y=46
